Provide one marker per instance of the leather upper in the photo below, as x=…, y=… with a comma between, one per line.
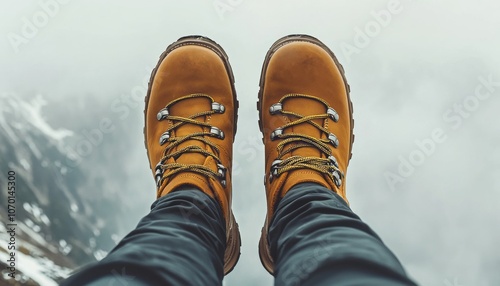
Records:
x=304, y=68
x=193, y=69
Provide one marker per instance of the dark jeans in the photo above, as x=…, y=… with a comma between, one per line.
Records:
x=315, y=239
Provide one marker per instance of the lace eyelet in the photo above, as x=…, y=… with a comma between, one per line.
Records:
x=162, y=114
x=337, y=178
x=164, y=138
x=332, y=114
x=158, y=174
x=276, y=108
x=333, y=161
x=221, y=171
x=218, y=108
x=277, y=132
x=333, y=139
x=274, y=169
x=216, y=132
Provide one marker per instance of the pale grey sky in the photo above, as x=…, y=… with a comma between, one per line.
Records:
x=422, y=73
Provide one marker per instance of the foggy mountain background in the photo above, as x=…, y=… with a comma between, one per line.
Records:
x=416, y=68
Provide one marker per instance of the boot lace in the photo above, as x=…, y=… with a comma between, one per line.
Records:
x=292, y=141
x=164, y=170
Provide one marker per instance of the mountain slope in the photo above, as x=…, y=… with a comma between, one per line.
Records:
x=62, y=215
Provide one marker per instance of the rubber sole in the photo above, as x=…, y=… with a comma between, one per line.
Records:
x=264, y=251
x=233, y=243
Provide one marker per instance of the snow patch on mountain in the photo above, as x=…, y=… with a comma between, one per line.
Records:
x=61, y=221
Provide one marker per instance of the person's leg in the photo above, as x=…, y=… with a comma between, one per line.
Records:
x=310, y=236
x=316, y=239
x=190, y=237
x=180, y=242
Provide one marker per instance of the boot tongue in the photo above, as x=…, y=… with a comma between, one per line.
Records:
x=305, y=107
x=194, y=179
x=186, y=108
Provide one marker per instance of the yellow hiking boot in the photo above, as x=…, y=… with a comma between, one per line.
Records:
x=190, y=124
x=305, y=115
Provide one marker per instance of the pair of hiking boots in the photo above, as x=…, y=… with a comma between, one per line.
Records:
x=305, y=116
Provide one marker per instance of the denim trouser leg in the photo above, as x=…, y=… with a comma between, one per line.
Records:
x=180, y=242
x=316, y=239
